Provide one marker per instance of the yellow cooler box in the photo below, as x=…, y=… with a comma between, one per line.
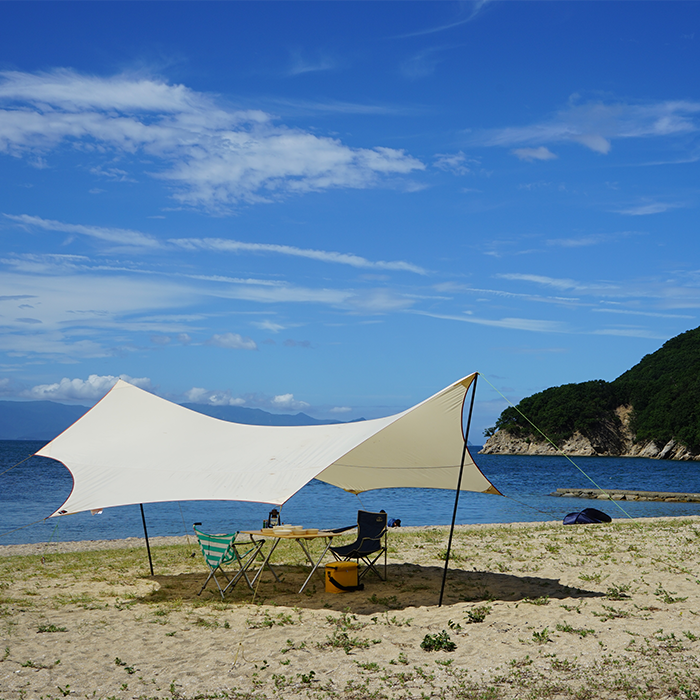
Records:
x=343, y=573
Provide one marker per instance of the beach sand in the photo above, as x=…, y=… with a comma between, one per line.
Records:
x=535, y=610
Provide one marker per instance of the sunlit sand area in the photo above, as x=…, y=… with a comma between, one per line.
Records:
x=530, y=610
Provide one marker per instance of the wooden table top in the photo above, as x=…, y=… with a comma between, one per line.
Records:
x=289, y=535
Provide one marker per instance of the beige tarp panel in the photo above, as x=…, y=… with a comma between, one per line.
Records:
x=134, y=447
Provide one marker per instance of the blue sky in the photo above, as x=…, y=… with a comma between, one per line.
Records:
x=341, y=208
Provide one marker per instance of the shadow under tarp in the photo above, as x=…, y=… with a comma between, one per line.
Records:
x=408, y=585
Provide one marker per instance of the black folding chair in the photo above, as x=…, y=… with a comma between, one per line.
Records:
x=369, y=545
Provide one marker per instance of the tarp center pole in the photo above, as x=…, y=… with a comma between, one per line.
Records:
x=145, y=532
x=459, y=486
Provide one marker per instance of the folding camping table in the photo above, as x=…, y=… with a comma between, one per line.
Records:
x=299, y=538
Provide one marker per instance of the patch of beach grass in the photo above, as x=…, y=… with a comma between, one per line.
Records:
x=658, y=665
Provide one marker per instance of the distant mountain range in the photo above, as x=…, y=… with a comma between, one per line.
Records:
x=44, y=420
x=256, y=416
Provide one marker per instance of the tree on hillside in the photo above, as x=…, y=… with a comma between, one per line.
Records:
x=663, y=390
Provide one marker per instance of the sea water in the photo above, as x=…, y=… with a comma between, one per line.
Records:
x=39, y=486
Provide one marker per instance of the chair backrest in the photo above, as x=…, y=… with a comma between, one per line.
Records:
x=370, y=526
x=215, y=548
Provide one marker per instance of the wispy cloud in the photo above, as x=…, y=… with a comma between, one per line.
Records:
x=423, y=63
x=215, y=157
x=651, y=294
x=648, y=208
x=231, y=341
x=472, y=10
x=450, y=287
x=378, y=301
x=129, y=237
x=581, y=242
x=456, y=163
x=596, y=124
x=269, y=326
x=231, y=246
x=631, y=333
x=297, y=106
x=520, y=324
x=560, y=283
x=532, y=154
x=652, y=314
x=302, y=64
x=119, y=236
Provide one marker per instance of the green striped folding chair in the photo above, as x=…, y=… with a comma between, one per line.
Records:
x=219, y=550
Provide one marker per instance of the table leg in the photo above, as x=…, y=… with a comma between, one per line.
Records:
x=266, y=563
x=314, y=566
x=305, y=549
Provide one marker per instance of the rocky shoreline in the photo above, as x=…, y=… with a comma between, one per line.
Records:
x=579, y=446
x=610, y=440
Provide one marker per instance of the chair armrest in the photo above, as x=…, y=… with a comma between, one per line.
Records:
x=338, y=530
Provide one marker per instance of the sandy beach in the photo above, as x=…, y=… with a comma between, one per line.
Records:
x=533, y=610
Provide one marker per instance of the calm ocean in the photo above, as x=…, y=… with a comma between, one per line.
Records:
x=29, y=492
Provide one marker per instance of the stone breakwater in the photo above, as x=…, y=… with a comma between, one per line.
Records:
x=624, y=495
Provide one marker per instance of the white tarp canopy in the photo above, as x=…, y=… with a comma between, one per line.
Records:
x=134, y=447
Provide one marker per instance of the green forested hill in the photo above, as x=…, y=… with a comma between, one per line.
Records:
x=663, y=390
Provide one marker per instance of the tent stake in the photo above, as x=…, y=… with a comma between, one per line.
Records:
x=459, y=486
x=145, y=532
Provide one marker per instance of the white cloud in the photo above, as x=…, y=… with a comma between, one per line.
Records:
x=468, y=12
x=563, y=284
x=268, y=326
x=653, y=314
x=283, y=292
x=214, y=156
x=8, y=387
x=121, y=236
x=213, y=398
x=341, y=409
x=596, y=124
x=129, y=237
x=457, y=163
x=288, y=402
x=111, y=173
x=423, y=63
x=232, y=246
x=232, y=341
x=378, y=301
x=196, y=395
x=65, y=298
x=74, y=93
x=646, y=209
x=582, y=242
x=301, y=64
x=224, y=397
x=519, y=324
x=91, y=389
x=451, y=287
x=593, y=141
x=631, y=333
x=532, y=154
